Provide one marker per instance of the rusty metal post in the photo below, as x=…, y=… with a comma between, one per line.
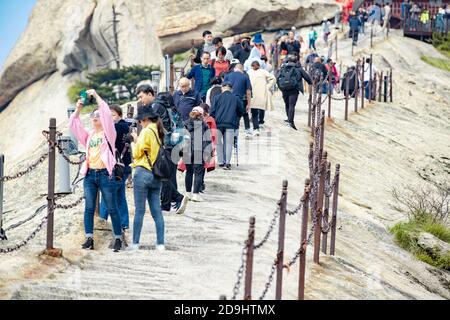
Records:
x=329, y=93
x=363, y=86
x=318, y=209
x=2, y=173
x=249, y=262
x=51, y=182
x=385, y=94
x=357, y=85
x=334, y=212
x=380, y=86
x=346, y=96
x=322, y=134
x=281, y=231
x=304, y=235
x=172, y=76
x=309, y=104
x=326, y=210
x=313, y=108
x=390, y=82
x=311, y=160
x=336, y=55
x=371, y=36
x=370, y=80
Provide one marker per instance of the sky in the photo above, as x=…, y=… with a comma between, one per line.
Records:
x=13, y=21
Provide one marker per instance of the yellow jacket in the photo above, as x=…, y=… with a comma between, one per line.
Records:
x=147, y=141
x=425, y=17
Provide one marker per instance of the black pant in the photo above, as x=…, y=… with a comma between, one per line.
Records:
x=262, y=114
x=246, y=117
x=354, y=34
x=194, y=173
x=257, y=117
x=290, y=100
x=169, y=192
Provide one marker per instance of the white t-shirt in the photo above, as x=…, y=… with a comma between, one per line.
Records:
x=229, y=56
x=367, y=71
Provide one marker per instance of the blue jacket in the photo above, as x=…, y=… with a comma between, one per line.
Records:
x=196, y=73
x=226, y=109
x=186, y=102
x=354, y=23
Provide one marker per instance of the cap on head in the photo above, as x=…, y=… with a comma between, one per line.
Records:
x=198, y=110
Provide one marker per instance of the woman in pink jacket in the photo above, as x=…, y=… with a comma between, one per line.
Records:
x=98, y=167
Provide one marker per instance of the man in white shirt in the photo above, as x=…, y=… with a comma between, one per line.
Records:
x=367, y=77
x=218, y=42
x=387, y=16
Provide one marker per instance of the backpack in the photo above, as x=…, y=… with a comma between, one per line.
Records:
x=175, y=136
x=287, y=79
x=162, y=167
x=316, y=73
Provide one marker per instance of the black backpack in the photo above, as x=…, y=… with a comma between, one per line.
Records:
x=162, y=167
x=287, y=79
x=316, y=73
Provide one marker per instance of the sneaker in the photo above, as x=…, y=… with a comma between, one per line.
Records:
x=261, y=126
x=248, y=133
x=256, y=132
x=117, y=245
x=133, y=247
x=221, y=165
x=181, y=207
x=88, y=244
x=287, y=121
x=196, y=198
x=227, y=167
x=160, y=247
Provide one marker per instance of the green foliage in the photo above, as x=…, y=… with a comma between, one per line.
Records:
x=406, y=235
x=442, y=43
x=182, y=57
x=104, y=80
x=443, y=64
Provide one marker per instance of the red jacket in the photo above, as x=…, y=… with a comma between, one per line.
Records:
x=210, y=166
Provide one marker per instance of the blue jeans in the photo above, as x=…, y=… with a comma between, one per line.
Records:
x=94, y=181
x=121, y=201
x=366, y=89
x=147, y=187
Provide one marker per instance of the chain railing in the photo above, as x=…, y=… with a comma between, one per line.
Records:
x=272, y=224
x=30, y=168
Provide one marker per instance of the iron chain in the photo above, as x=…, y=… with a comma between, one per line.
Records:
x=69, y=206
x=31, y=217
x=271, y=226
x=270, y=280
x=28, y=170
x=27, y=240
x=240, y=272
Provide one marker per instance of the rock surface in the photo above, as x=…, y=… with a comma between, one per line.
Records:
x=432, y=244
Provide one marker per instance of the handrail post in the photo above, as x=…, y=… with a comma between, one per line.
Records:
x=334, y=213
x=329, y=93
x=363, y=86
x=303, y=244
x=51, y=182
x=249, y=261
x=346, y=96
x=370, y=79
x=380, y=86
x=385, y=94
x=281, y=231
x=390, y=83
x=172, y=75
x=326, y=210
x=309, y=104
x=2, y=173
x=318, y=210
x=356, y=91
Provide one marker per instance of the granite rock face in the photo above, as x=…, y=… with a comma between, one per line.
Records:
x=65, y=37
